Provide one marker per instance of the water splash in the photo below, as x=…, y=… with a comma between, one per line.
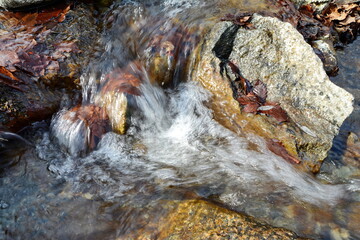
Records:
x=176, y=142
x=172, y=140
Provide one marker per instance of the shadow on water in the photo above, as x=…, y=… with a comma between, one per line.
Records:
x=348, y=78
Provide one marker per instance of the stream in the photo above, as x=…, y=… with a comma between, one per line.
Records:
x=173, y=149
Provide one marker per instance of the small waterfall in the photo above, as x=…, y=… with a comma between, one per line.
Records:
x=171, y=139
x=174, y=141
x=170, y=132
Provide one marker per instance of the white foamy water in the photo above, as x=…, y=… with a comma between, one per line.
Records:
x=174, y=141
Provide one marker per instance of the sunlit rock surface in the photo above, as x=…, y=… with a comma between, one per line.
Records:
x=275, y=53
x=197, y=219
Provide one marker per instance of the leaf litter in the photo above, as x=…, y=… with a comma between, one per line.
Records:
x=22, y=43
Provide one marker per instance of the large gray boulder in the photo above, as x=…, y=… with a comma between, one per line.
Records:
x=20, y=3
x=276, y=53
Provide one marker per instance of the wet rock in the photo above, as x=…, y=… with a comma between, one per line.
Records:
x=42, y=57
x=354, y=217
x=33, y=103
x=317, y=4
x=166, y=55
x=120, y=84
x=274, y=53
x=197, y=219
x=351, y=155
x=80, y=129
x=21, y=3
x=12, y=146
x=321, y=218
x=326, y=52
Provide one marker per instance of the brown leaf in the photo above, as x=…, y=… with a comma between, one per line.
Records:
x=260, y=91
x=122, y=82
x=249, y=102
x=241, y=19
x=8, y=59
x=247, y=99
x=29, y=19
x=7, y=78
x=64, y=47
x=57, y=15
x=274, y=110
x=251, y=107
x=33, y=63
x=307, y=10
x=4, y=73
x=277, y=147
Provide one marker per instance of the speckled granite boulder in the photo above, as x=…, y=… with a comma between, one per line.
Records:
x=276, y=53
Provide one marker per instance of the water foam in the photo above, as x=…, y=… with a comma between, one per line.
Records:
x=176, y=142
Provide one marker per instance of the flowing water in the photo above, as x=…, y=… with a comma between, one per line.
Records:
x=172, y=149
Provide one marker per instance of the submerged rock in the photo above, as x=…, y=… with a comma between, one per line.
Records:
x=198, y=219
x=80, y=129
x=275, y=53
x=12, y=146
x=120, y=85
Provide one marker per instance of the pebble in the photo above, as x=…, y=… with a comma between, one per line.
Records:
x=3, y=204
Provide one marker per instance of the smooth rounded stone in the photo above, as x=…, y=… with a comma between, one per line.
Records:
x=198, y=219
x=80, y=129
x=276, y=53
x=21, y=3
x=116, y=105
x=326, y=51
x=3, y=204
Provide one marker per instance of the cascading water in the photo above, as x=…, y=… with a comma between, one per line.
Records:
x=172, y=142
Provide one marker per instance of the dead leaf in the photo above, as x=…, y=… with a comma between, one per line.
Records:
x=120, y=81
x=64, y=47
x=260, y=91
x=33, y=63
x=307, y=10
x=7, y=78
x=240, y=19
x=4, y=73
x=18, y=44
x=277, y=147
x=55, y=14
x=274, y=111
x=8, y=59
